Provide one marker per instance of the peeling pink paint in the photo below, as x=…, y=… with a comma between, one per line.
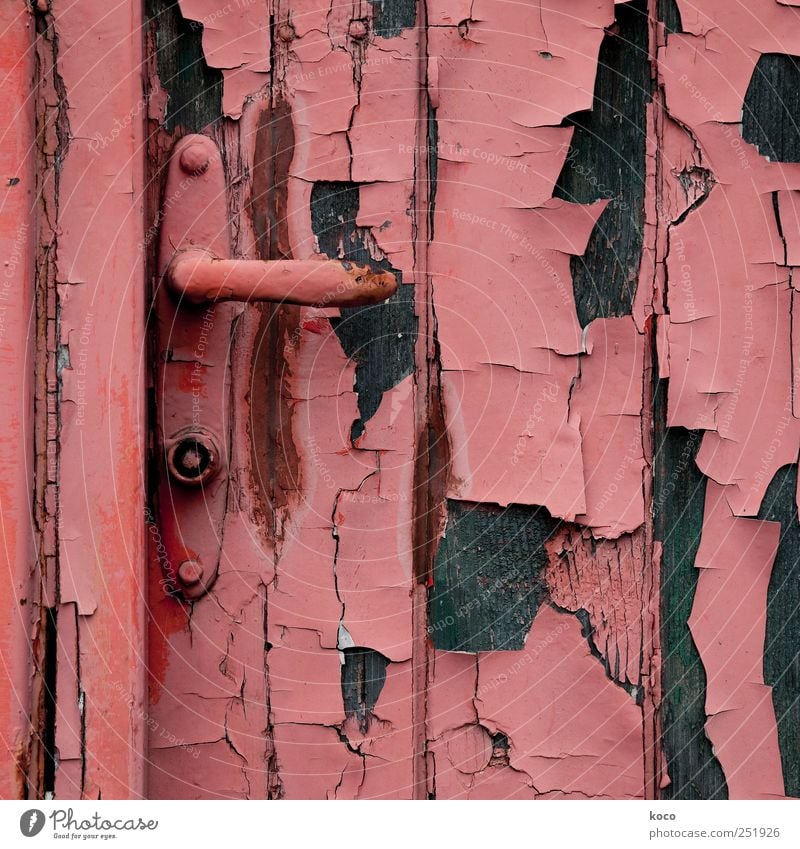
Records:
x=344, y=574
x=343, y=568
x=606, y=402
x=570, y=436
x=571, y=732
x=508, y=329
x=728, y=623
x=91, y=182
x=236, y=39
x=549, y=467
x=340, y=574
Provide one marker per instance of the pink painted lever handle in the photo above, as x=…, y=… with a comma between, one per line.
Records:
x=199, y=276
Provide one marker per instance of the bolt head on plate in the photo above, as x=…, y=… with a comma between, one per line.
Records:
x=190, y=573
x=358, y=29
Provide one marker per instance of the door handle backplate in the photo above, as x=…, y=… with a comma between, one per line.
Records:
x=199, y=282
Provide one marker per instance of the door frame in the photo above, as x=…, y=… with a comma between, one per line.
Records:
x=74, y=521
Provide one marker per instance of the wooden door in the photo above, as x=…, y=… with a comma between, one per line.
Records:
x=409, y=584
x=528, y=528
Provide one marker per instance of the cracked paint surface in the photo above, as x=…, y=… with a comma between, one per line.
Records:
x=508, y=328
x=570, y=435
x=568, y=731
x=236, y=41
x=249, y=694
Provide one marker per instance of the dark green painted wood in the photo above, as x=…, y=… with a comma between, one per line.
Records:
x=363, y=677
x=669, y=15
x=607, y=161
x=380, y=338
x=194, y=89
x=782, y=648
x=771, y=115
x=488, y=580
x=391, y=17
x=678, y=501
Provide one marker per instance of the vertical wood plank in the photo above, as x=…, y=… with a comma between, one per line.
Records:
x=207, y=716
x=531, y=331
x=731, y=434
x=274, y=684
x=93, y=206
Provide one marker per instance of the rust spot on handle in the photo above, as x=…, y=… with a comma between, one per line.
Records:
x=199, y=276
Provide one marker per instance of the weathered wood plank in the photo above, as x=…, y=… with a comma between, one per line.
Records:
x=493, y=575
x=92, y=232
x=710, y=176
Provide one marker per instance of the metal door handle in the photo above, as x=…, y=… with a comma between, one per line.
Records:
x=200, y=276
x=193, y=419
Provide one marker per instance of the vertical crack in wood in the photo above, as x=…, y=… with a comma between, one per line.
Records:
x=52, y=141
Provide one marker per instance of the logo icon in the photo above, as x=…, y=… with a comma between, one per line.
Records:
x=31, y=822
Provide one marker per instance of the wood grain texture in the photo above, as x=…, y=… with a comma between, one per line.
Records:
x=363, y=678
x=194, y=89
x=771, y=107
x=488, y=579
x=391, y=17
x=669, y=14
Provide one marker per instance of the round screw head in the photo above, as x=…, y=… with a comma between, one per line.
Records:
x=358, y=29
x=190, y=573
x=286, y=32
x=195, y=159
